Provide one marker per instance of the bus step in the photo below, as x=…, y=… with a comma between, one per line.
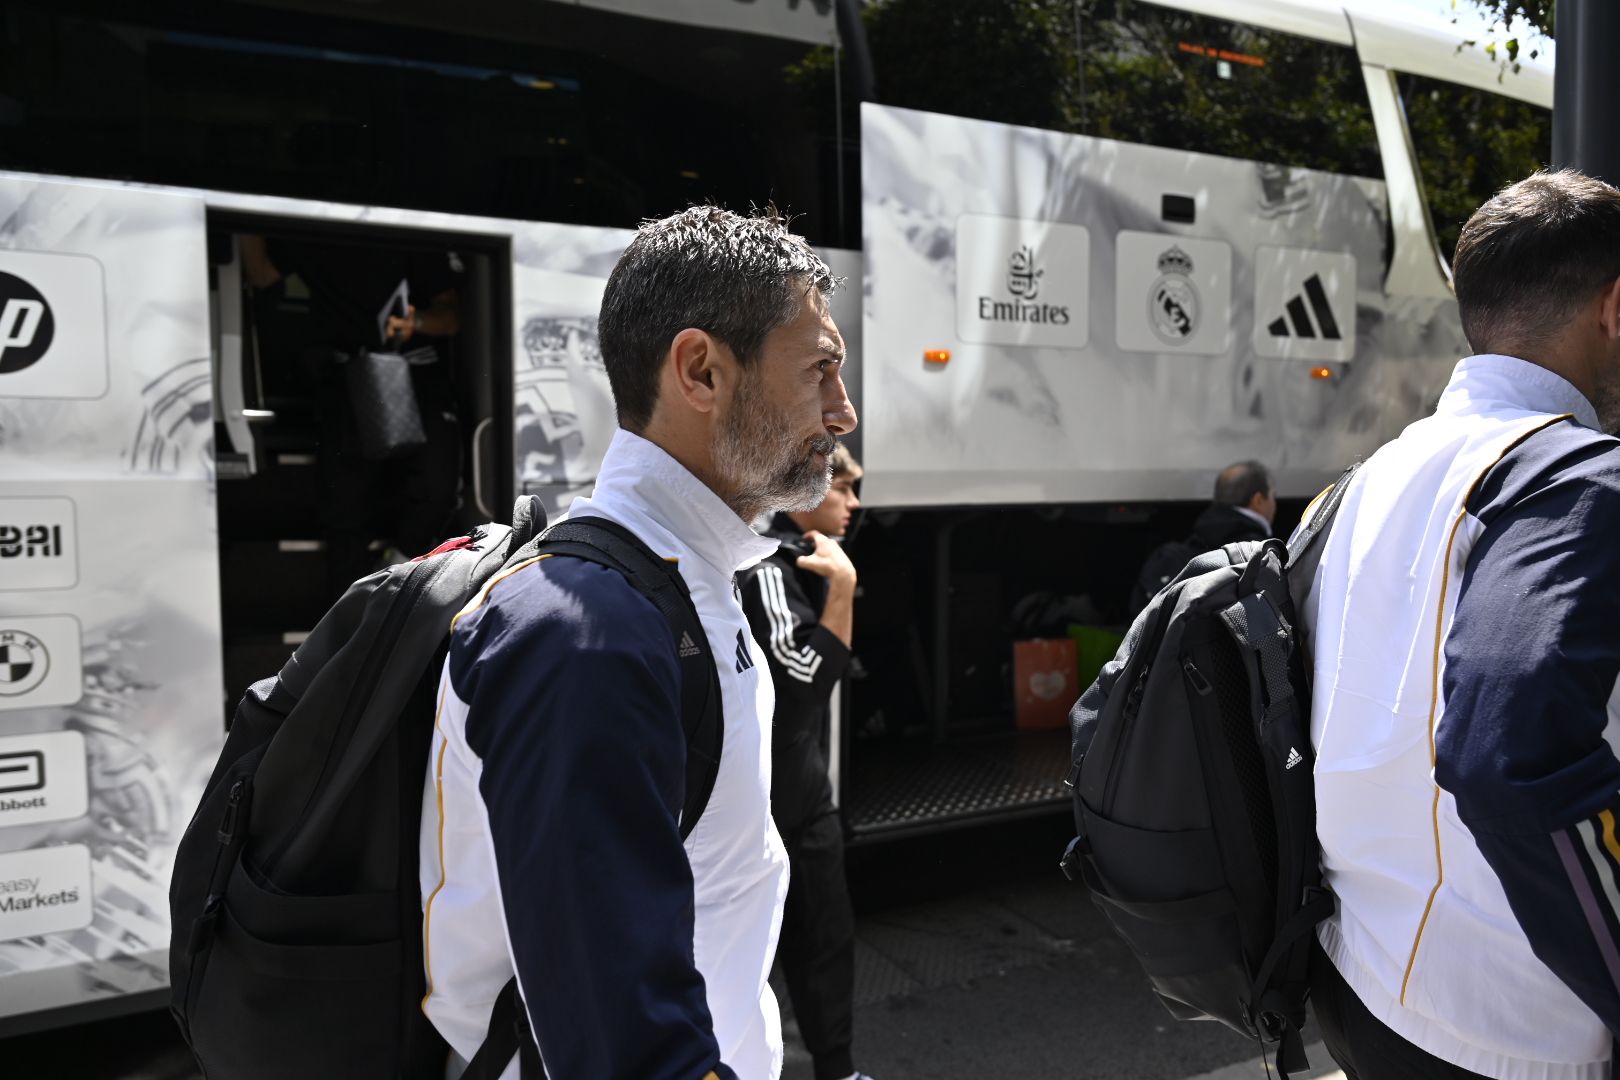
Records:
x=910, y=788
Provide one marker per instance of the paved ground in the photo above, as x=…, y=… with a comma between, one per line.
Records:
x=976, y=961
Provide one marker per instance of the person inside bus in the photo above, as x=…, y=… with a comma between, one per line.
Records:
x=800, y=605
x=551, y=841
x=408, y=501
x=1244, y=507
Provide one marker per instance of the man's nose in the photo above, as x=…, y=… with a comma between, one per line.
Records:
x=837, y=413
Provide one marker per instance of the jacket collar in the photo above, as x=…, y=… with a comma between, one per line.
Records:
x=640, y=481
x=1490, y=381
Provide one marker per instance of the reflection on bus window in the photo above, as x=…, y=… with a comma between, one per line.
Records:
x=566, y=114
x=1170, y=78
x=1150, y=75
x=1470, y=144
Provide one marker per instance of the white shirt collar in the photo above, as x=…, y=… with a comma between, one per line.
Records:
x=640, y=478
x=1490, y=378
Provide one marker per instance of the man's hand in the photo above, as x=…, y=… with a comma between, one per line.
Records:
x=260, y=272
x=828, y=560
x=400, y=330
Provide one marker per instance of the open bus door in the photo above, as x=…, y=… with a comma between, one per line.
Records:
x=110, y=680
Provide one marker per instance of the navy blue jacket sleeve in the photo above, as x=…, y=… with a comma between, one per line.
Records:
x=806, y=659
x=573, y=693
x=1530, y=667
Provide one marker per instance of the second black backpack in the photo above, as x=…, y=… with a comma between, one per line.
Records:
x=296, y=911
x=1193, y=794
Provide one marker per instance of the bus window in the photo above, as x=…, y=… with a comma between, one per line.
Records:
x=1150, y=75
x=1170, y=78
x=571, y=114
x=1470, y=144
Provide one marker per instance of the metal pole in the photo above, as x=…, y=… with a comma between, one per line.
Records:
x=1586, y=88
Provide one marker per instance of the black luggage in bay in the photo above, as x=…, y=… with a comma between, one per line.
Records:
x=1193, y=793
x=295, y=903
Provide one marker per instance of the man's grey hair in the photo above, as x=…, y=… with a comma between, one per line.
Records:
x=1532, y=255
x=737, y=277
x=1239, y=483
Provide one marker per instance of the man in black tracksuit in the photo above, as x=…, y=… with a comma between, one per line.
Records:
x=800, y=609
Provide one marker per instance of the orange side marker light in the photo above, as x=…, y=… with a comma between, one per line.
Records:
x=1321, y=373
x=937, y=356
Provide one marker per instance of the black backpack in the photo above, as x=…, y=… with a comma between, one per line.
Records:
x=1193, y=794
x=1160, y=568
x=297, y=918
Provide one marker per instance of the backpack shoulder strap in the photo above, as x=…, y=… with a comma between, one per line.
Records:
x=610, y=544
x=1319, y=515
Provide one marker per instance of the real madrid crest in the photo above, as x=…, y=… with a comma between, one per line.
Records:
x=23, y=662
x=1172, y=300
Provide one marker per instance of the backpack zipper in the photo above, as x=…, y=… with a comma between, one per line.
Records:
x=201, y=938
x=1133, y=702
x=1196, y=677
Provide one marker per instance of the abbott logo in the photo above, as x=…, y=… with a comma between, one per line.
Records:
x=27, y=326
x=1021, y=282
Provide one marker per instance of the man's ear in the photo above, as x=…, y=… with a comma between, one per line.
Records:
x=699, y=365
x=1609, y=310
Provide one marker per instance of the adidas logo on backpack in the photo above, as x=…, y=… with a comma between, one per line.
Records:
x=688, y=647
x=1198, y=830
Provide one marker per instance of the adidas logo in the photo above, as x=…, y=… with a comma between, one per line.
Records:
x=689, y=647
x=1300, y=318
x=744, y=660
x=1294, y=758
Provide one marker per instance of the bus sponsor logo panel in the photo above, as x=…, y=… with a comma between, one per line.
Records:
x=43, y=778
x=39, y=546
x=45, y=891
x=53, y=325
x=27, y=324
x=1022, y=282
x=1172, y=293
x=1304, y=304
x=40, y=661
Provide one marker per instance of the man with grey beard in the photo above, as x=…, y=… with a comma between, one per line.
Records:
x=551, y=844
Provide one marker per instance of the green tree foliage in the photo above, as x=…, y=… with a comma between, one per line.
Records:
x=1538, y=13
x=1470, y=144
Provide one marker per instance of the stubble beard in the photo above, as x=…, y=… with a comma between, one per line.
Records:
x=1607, y=394
x=765, y=466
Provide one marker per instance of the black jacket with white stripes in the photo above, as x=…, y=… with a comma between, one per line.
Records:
x=783, y=604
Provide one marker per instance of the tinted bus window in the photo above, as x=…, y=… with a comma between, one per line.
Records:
x=1169, y=78
x=568, y=113
x=1470, y=144
x=1149, y=74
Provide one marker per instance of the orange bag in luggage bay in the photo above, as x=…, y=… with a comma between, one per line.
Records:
x=1045, y=682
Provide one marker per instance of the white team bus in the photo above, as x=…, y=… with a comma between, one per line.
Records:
x=1095, y=252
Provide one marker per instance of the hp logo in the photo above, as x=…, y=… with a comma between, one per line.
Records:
x=26, y=324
